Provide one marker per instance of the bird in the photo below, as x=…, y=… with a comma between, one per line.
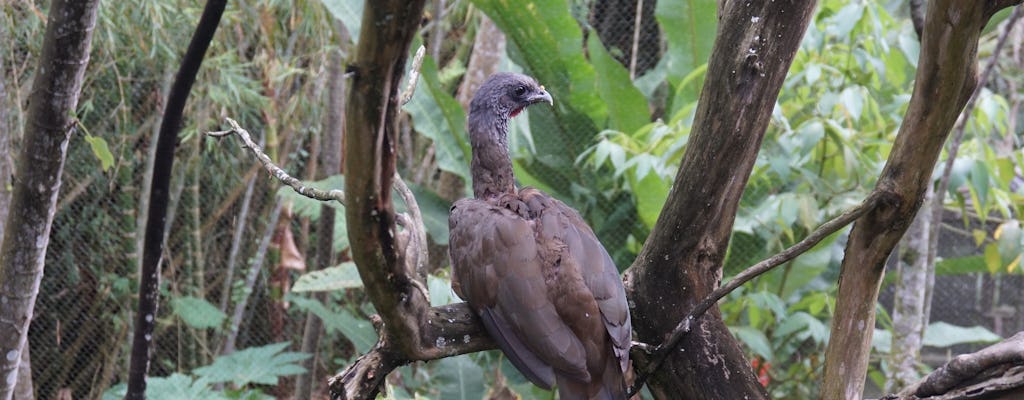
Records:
x=544, y=287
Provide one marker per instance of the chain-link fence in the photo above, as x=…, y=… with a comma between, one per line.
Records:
x=221, y=201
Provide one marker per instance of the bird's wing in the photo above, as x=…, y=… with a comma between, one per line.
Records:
x=601, y=276
x=497, y=269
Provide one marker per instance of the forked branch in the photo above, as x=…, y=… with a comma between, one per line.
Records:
x=684, y=326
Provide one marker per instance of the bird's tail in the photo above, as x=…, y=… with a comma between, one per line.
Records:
x=609, y=386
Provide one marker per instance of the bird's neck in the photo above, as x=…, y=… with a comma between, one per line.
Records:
x=491, y=166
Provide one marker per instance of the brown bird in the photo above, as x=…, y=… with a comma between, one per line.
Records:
x=535, y=273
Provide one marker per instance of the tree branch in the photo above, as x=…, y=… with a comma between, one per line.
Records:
x=278, y=172
x=685, y=325
x=681, y=262
x=946, y=77
x=988, y=373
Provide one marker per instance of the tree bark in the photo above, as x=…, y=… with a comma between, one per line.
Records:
x=681, y=262
x=411, y=330
x=156, y=219
x=995, y=372
x=908, y=303
x=946, y=77
x=50, y=123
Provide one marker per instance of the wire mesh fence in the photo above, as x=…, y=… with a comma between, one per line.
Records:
x=275, y=78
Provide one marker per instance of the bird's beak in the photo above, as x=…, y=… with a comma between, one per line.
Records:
x=541, y=95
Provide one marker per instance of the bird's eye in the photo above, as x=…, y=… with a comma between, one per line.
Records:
x=520, y=90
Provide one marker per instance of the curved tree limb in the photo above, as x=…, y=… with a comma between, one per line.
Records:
x=276, y=171
x=685, y=325
x=946, y=78
x=996, y=371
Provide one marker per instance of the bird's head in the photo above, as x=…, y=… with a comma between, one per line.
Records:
x=505, y=95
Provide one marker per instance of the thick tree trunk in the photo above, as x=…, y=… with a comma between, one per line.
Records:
x=946, y=77
x=682, y=260
x=50, y=122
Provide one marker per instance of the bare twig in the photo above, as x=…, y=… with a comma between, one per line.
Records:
x=636, y=38
x=661, y=351
x=277, y=172
x=414, y=75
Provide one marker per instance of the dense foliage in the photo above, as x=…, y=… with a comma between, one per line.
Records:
x=610, y=147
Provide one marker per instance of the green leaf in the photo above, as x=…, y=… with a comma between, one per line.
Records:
x=459, y=378
x=627, y=107
x=650, y=194
x=350, y=12
x=941, y=334
x=438, y=116
x=1010, y=241
x=197, y=313
x=881, y=340
x=101, y=151
x=804, y=325
x=358, y=331
x=993, y=261
x=258, y=365
x=344, y=276
x=689, y=26
x=755, y=340
x=174, y=387
x=441, y=292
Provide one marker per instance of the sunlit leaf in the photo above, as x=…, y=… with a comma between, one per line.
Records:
x=258, y=365
x=197, y=313
x=941, y=334
x=755, y=340
x=350, y=12
x=993, y=261
x=344, y=276
x=101, y=151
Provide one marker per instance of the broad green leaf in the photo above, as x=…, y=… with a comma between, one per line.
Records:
x=881, y=340
x=197, y=313
x=650, y=194
x=993, y=261
x=101, y=151
x=1010, y=241
x=438, y=116
x=961, y=265
x=350, y=12
x=941, y=334
x=441, y=292
x=344, y=276
x=257, y=365
x=627, y=107
x=755, y=340
x=357, y=330
x=804, y=325
x=980, y=183
x=689, y=27
x=459, y=378
x=174, y=387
